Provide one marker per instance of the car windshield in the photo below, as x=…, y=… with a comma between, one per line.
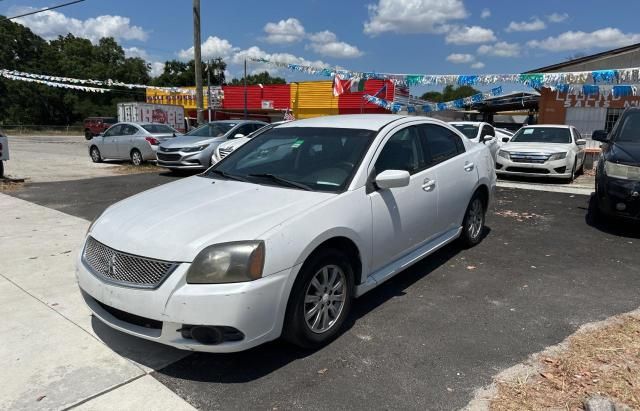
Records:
x=310, y=158
x=212, y=130
x=158, y=129
x=630, y=130
x=469, y=130
x=542, y=135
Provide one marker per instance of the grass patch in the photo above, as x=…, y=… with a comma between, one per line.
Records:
x=9, y=185
x=128, y=168
x=602, y=360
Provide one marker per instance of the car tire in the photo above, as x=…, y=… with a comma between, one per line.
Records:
x=581, y=169
x=96, y=157
x=473, y=222
x=136, y=157
x=88, y=135
x=573, y=172
x=320, y=299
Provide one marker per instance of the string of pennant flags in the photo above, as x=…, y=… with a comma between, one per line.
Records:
x=534, y=80
x=57, y=81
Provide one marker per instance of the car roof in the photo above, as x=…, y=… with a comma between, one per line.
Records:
x=473, y=123
x=357, y=121
x=236, y=121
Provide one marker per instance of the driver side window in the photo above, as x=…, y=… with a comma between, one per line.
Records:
x=113, y=131
x=401, y=152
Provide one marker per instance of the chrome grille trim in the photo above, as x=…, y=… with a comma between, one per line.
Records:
x=532, y=158
x=125, y=269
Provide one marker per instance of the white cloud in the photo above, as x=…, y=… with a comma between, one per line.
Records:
x=412, y=16
x=486, y=13
x=135, y=52
x=212, y=47
x=284, y=32
x=469, y=35
x=157, y=68
x=256, y=52
x=534, y=24
x=51, y=24
x=457, y=58
x=500, y=49
x=477, y=65
x=580, y=40
x=557, y=17
x=326, y=43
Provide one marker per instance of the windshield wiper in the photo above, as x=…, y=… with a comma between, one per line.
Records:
x=281, y=180
x=229, y=176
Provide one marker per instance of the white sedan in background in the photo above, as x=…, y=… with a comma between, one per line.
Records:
x=226, y=148
x=280, y=237
x=543, y=151
x=480, y=132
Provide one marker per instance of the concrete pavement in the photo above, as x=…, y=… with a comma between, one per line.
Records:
x=53, y=355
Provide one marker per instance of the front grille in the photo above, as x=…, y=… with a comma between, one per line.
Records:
x=528, y=170
x=531, y=158
x=125, y=269
x=224, y=152
x=170, y=150
x=131, y=318
x=169, y=157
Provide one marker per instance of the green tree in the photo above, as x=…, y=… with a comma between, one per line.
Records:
x=260, y=78
x=179, y=74
x=450, y=93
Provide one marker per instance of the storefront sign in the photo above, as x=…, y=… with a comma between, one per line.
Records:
x=596, y=101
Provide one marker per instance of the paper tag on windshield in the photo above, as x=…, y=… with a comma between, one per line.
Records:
x=297, y=143
x=528, y=131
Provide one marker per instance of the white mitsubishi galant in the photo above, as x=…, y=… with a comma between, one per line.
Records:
x=282, y=235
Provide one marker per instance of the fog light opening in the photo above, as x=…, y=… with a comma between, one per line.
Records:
x=207, y=335
x=621, y=206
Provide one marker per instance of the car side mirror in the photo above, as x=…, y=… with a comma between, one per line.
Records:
x=506, y=139
x=581, y=142
x=486, y=137
x=239, y=135
x=599, y=135
x=392, y=179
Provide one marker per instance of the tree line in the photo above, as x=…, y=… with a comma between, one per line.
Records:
x=76, y=57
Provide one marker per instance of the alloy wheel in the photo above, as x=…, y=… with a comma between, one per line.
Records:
x=95, y=155
x=324, y=299
x=475, y=219
x=136, y=158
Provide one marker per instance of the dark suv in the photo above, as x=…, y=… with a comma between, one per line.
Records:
x=96, y=125
x=618, y=172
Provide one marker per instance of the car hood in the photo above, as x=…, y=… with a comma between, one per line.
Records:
x=175, y=221
x=188, y=141
x=625, y=153
x=537, y=147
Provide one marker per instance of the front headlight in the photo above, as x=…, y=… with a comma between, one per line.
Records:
x=194, y=149
x=504, y=154
x=557, y=156
x=622, y=171
x=234, y=262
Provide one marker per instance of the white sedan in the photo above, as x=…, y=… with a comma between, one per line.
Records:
x=543, y=151
x=227, y=147
x=480, y=132
x=281, y=236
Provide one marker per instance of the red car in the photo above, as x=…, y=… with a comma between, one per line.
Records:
x=96, y=125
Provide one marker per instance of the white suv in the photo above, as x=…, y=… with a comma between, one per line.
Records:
x=281, y=236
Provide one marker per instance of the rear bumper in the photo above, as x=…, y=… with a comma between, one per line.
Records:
x=255, y=308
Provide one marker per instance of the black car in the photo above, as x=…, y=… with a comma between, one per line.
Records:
x=618, y=172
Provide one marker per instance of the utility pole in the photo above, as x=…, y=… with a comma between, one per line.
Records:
x=246, y=114
x=197, y=60
x=209, y=88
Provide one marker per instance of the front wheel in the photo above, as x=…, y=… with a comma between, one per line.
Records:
x=473, y=223
x=136, y=157
x=1, y=169
x=95, y=155
x=320, y=300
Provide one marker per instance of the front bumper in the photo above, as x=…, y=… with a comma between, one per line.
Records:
x=619, y=197
x=554, y=169
x=180, y=160
x=255, y=308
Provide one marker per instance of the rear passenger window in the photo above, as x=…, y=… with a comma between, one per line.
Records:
x=439, y=143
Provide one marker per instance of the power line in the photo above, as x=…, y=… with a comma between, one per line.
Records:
x=47, y=9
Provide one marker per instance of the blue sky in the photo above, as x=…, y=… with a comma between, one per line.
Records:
x=403, y=36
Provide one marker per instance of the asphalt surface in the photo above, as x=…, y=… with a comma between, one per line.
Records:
x=432, y=335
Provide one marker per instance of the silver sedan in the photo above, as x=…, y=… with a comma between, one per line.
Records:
x=137, y=142
x=194, y=149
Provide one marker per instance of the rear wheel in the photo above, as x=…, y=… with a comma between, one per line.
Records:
x=136, y=157
x=1, y=169
x=320, y=300
x=95, y=155
x=473, y=223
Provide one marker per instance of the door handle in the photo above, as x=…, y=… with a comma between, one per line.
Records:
x=428, y=185
x=468, y=166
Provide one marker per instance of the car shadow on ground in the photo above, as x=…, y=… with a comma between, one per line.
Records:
x=262, y=360
x=609, y=225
